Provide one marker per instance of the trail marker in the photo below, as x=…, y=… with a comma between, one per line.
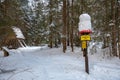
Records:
x=84, y=31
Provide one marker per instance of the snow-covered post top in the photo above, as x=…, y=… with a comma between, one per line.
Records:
x=85, y=24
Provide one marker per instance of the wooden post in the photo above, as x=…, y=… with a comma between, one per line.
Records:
x=86, y=61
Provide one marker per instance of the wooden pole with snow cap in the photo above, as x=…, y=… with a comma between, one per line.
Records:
x=85, y=30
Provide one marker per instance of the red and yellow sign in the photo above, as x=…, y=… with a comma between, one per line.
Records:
x=85, y=38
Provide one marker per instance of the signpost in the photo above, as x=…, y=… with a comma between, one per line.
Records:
x=84, y=40
x=85, y=30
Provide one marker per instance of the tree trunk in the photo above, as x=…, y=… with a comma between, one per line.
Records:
x=71, y=32
x=68, y=27
x=114, y=42
x=106, y=23
x=118, y=25
x=64, y=26
x=50, y=35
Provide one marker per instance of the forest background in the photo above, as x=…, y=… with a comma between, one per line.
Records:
x=56, y=21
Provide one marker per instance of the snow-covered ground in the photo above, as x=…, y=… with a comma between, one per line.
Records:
x=36, y=63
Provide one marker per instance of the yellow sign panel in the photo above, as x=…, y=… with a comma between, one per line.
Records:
x=84, y=44
x=85, y=38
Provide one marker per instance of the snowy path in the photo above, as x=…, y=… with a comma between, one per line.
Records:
x=52, y=64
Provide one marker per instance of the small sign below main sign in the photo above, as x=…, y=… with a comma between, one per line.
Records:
x=84, y=44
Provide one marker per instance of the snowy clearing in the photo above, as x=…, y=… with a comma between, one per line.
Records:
x=36, y=63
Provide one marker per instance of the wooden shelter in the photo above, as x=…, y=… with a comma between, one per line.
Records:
x=10, y=37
